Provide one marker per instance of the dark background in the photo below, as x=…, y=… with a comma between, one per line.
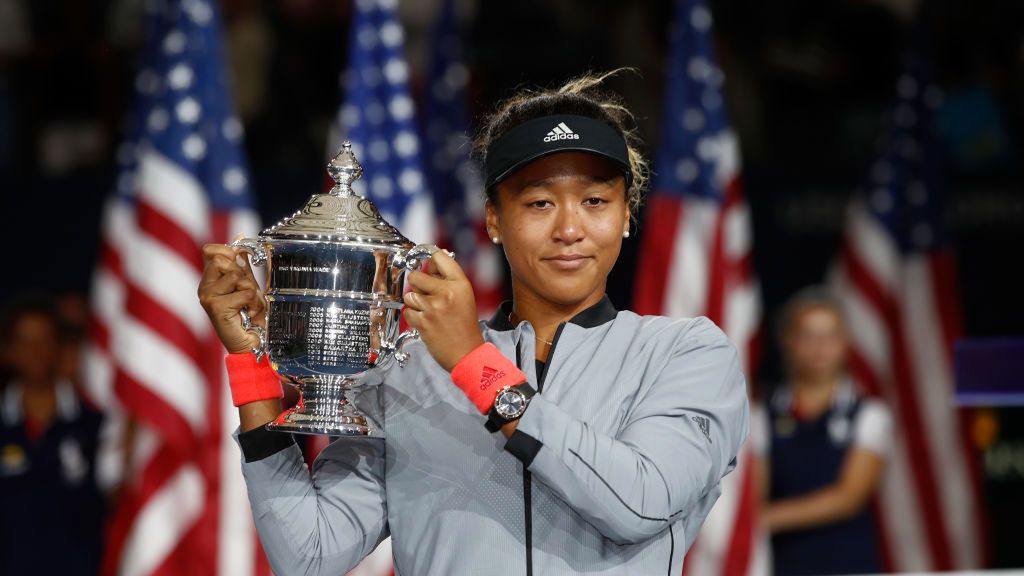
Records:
x=807, y=81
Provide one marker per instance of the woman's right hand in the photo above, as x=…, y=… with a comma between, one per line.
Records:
x=227, y=286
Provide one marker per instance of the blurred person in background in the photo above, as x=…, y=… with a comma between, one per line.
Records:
x=822, y=448
x=52, y=509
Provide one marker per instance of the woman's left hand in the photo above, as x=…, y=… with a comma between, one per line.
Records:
x=442, y=307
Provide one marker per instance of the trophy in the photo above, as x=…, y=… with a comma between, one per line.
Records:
x=335, y=273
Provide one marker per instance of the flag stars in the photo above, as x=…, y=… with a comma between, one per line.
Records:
x=199, y=11
x=372, y=76
x=687, y=170
x=381, y=187
x=693, y=119
x=374, y=113
x=188, y=110
x=406, y=144
x=232, y=129
x=700, y=18
x=396, y=71
x=174, y=42
x=126, y=182
x=234, y=180
x=698, y=68
x=391, y=34
x=180, y=77
x=158, y=119
x=349, y=116
x=357, y=149
x=410, y=181
x=367, y=37
x=707, y=148
x=400, y=107
x=379, y=151
x=194, y=147
x=711, y=99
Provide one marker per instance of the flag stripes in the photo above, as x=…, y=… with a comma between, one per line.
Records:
x=895, y=277
x=153, y=358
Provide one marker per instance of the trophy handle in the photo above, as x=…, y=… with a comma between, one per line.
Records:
x=410, y=260
x=258, y=255
x=398, y=346
x=261, y=350
x=413, y=258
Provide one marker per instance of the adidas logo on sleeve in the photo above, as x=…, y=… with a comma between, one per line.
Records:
x=561, y=132
x=488, y=376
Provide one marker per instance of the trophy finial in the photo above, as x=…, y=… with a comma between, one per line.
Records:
x=344, y=170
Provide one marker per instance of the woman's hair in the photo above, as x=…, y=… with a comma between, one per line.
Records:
x=806, y=299
x=582, y=96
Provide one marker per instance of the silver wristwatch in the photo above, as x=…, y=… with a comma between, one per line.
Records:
x=509, y=405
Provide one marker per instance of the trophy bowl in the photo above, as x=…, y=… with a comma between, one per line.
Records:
x=335, y=275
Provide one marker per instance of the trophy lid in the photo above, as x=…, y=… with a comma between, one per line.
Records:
x=340, y=214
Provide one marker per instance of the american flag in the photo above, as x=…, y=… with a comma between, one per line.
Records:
x=896, y=278
x=454, y=180
x=153, y=355
x=695, y=258
x=378, y=117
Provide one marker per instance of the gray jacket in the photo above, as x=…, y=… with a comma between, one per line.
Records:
x=612, y=470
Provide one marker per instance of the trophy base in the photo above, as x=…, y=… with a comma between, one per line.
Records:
x=326, y=409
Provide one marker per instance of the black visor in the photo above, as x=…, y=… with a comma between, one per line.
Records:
x=550, y=134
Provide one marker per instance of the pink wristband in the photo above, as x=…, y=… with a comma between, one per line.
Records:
x=483, y=373
x=251, y=381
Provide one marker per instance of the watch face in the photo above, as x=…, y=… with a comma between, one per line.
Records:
x=510, y=404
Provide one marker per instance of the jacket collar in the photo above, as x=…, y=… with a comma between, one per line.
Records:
x=592, y=317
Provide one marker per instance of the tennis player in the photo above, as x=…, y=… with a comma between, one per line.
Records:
x=562, y=436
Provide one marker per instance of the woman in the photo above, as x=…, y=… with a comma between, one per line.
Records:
x=825, y=449
x=611, y=431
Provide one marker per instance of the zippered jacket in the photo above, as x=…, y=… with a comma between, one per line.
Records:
x=612, y=469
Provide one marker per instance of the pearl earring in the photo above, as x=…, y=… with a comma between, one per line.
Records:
x=625, y=234
x=495, y=240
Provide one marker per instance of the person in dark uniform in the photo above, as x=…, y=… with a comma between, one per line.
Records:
x=52, y=510
x=822, y=448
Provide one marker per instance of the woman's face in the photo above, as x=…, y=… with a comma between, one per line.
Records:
x=815, y=343
x=560, y=220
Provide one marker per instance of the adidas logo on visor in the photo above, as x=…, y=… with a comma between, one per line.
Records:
x=561, y=132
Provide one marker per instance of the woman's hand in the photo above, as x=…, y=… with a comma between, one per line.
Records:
x=225, y=288
x=442, y=307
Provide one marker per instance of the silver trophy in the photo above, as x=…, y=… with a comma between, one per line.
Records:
x=335, y=273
